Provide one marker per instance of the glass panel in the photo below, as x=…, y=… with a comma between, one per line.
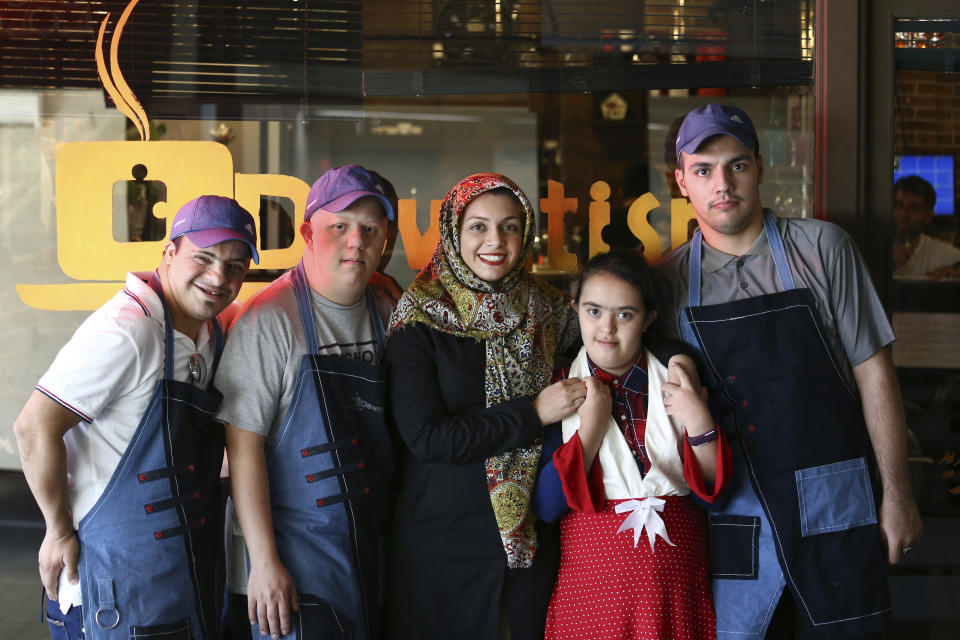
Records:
x=925, y=305
x=580, y=157
x=87, y=194
x=574, y=101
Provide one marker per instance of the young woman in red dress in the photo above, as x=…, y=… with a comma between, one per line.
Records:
x=618, y=474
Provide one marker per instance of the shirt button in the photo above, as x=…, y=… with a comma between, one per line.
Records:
x=740, y=262
x=623, y=416
x=744, y=285
x=616, y=381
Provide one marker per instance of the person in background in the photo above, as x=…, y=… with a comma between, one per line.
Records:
x=794, y=344
x=914, y=252
x=119, y=448
x=473, y=345
x=637, y=446
x=310, y=454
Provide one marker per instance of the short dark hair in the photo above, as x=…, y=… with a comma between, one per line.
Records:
x=919, y=187
x=628, y=265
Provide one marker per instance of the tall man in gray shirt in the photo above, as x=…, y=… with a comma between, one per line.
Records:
x=794, y=343
x=309, y=452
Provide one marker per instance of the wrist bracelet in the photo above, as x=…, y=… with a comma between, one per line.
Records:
x=702, y=439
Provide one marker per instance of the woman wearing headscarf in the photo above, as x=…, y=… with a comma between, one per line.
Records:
x=471, y=354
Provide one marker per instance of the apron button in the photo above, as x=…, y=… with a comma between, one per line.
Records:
x=361, y=465
x=310, y=478
x=148, y=508
x=304, y=453
x=320, y=502
x=744, y=403
x=752, y=428
x=731, y=378
x=142, y=477
x=158, y=535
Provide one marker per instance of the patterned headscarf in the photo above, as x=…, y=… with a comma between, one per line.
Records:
x=523, y=322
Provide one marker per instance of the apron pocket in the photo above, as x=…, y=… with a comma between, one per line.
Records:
x=318, y=620
x=734, y=547
x=64, y=626
x=835, y=497
x=172, y=631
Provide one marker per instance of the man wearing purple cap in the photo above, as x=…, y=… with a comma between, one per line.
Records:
x=310, y=455
x=794, y=341
x=118, y=446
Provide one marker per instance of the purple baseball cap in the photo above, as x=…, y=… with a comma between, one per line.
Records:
x=210, y=220
x=713, y=119
x=340, y=187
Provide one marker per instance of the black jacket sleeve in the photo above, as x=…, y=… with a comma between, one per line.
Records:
x=437, y=396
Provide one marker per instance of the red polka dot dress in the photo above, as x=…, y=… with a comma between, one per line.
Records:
x=608, y=588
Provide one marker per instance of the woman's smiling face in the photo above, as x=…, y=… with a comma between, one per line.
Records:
x=491, y=235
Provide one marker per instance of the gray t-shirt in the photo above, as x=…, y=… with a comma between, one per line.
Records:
x=823, y=258
x=261, y=360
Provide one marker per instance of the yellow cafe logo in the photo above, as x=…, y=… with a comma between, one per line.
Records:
x=86, y=173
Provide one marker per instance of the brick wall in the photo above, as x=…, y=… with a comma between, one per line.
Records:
x=927, y=115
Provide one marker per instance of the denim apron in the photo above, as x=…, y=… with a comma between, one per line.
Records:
x=151, y=548
x=800, y=508
x=330, y=468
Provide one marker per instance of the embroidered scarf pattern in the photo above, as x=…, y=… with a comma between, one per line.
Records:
x=523, y=322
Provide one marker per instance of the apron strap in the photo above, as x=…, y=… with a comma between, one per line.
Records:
x=305, y=304
x=376, y=321
x=779, y=253
x=167, y=328
x=696, y=258
x=777, y=249
x=217, y=333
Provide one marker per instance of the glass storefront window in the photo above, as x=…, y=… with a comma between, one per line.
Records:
x=574, y=105
x=574, y=101
x=924, y=294
x=70, y=238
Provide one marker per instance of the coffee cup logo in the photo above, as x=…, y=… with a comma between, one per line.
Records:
x=87, y=172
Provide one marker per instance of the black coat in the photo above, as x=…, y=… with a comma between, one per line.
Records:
x=448, y=567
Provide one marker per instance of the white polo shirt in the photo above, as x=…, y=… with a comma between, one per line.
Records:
x=106, y=374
